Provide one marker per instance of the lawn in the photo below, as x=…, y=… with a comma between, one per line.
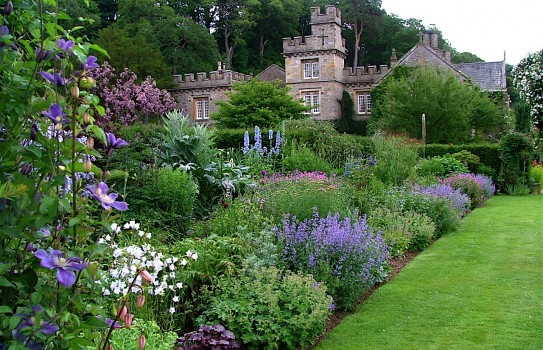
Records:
x=478, y=288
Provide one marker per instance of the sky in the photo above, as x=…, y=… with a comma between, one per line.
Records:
x=485, y=28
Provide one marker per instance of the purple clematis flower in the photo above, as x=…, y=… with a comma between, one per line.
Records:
x=108, y=200
x=54, y=78
x=65, y=267
x=65, y=45
x=115, y=142
x=91, y=63
x=4, y=31
x=55, y=113
x=29, y=321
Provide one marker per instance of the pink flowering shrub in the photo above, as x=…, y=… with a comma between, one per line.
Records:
x=126, y=100
x=477, y=187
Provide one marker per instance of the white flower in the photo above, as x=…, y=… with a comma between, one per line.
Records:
x=179, y=285
x=175, y=299
x=141, y=233
x=189, y=253
x=172, y=310
x=115, y=228
x=194, y=256
x=108, y=237
x=172, y=267
x=183, y=262
x=148, y=235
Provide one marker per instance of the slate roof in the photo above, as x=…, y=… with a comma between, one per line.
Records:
x=272, y=73
x=489, y=76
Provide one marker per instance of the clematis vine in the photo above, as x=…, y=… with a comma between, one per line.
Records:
x=55, y=113
x=65, y=267
x=114, y=142
x=54, y=78
x=108, y=201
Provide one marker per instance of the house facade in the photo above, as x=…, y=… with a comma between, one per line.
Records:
x=315, y=72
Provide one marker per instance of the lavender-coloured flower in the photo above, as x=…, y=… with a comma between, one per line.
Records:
x=4, y=31
x=42, y=54
x=65, y=45
x=65, y=267
x=29, y=322
x=114, y=142
x=55, y=113
x=54, y=78
x=91, y=63
x=108, y=201
x=246, y=146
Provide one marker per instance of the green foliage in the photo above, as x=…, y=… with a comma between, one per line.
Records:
x=280, y=310
x=403, y=230
x=300, y=193
x=300, y=157
x=516, y=149
x=258, y=103
x=155, y=338
x=323, y=140
x=176, y=195
x=231, y=138
x=345, y=122
x=395, y=159
x=536, y=173
x=470, y=160
x=488, y=153
x=452, y=108
x=440, y=166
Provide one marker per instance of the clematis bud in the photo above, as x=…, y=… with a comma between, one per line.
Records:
x=87, y=82
x=128, y=318
x=42, y=55
x=141, y=342
x=33, y=132
x=87, y=164
x=146, y=276
x=8, y=9
x=92, y=268
x=90, y=143
x=110, y=347
x=75, y=91
x=86, y=117
x=26, y=169
x=141, y=300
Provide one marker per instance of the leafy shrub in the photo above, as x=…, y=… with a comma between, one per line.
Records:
x=176, y=194
x=536, y=173
x=269, y=309
x=401, y=199
x=300, y=193
x=470, y=160
x=488, y=153
x=214, y=337
x=516, y=149
x=395, y=159
x=155, y=338
x=457, y=199
x=440, y=166
x=469, y=186
x=518, y=189
x=300, y=157
x=402, y=231
x=348, y=256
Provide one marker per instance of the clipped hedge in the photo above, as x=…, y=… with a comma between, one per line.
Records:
x=488, y=153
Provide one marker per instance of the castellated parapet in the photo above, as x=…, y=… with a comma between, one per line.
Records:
x=217, y=79
x=370, y=74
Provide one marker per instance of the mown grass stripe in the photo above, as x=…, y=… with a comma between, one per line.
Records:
x=478, y=288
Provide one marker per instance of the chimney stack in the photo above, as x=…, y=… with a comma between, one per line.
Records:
x=434, y=41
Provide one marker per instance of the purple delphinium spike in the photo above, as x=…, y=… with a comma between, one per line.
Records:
x=246, y=146
x=108, y=201
x=65, y=267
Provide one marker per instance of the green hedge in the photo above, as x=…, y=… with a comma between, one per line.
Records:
x=489, y=153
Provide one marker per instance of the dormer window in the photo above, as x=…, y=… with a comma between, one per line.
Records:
x=311, y=69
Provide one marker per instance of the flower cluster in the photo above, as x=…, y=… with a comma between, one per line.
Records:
x=348, y=256
x=459, y=201
x=125, y=99
x=263, y=151
x=129, y=260
x=296, y=176
x=528, y=79
x=478, y=187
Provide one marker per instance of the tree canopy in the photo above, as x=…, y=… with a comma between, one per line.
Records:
x=454, y=110
x=257, y=103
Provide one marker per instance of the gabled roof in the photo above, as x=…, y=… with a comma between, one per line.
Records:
x=424, y=54
x=489, y=76
x=273, y=73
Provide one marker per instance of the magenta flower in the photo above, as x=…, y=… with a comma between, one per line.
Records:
x=55, y=113
x=115, y=142
x=108, y=200
x=65, y=267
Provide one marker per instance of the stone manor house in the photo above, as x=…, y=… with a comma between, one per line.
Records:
x=316, y=73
